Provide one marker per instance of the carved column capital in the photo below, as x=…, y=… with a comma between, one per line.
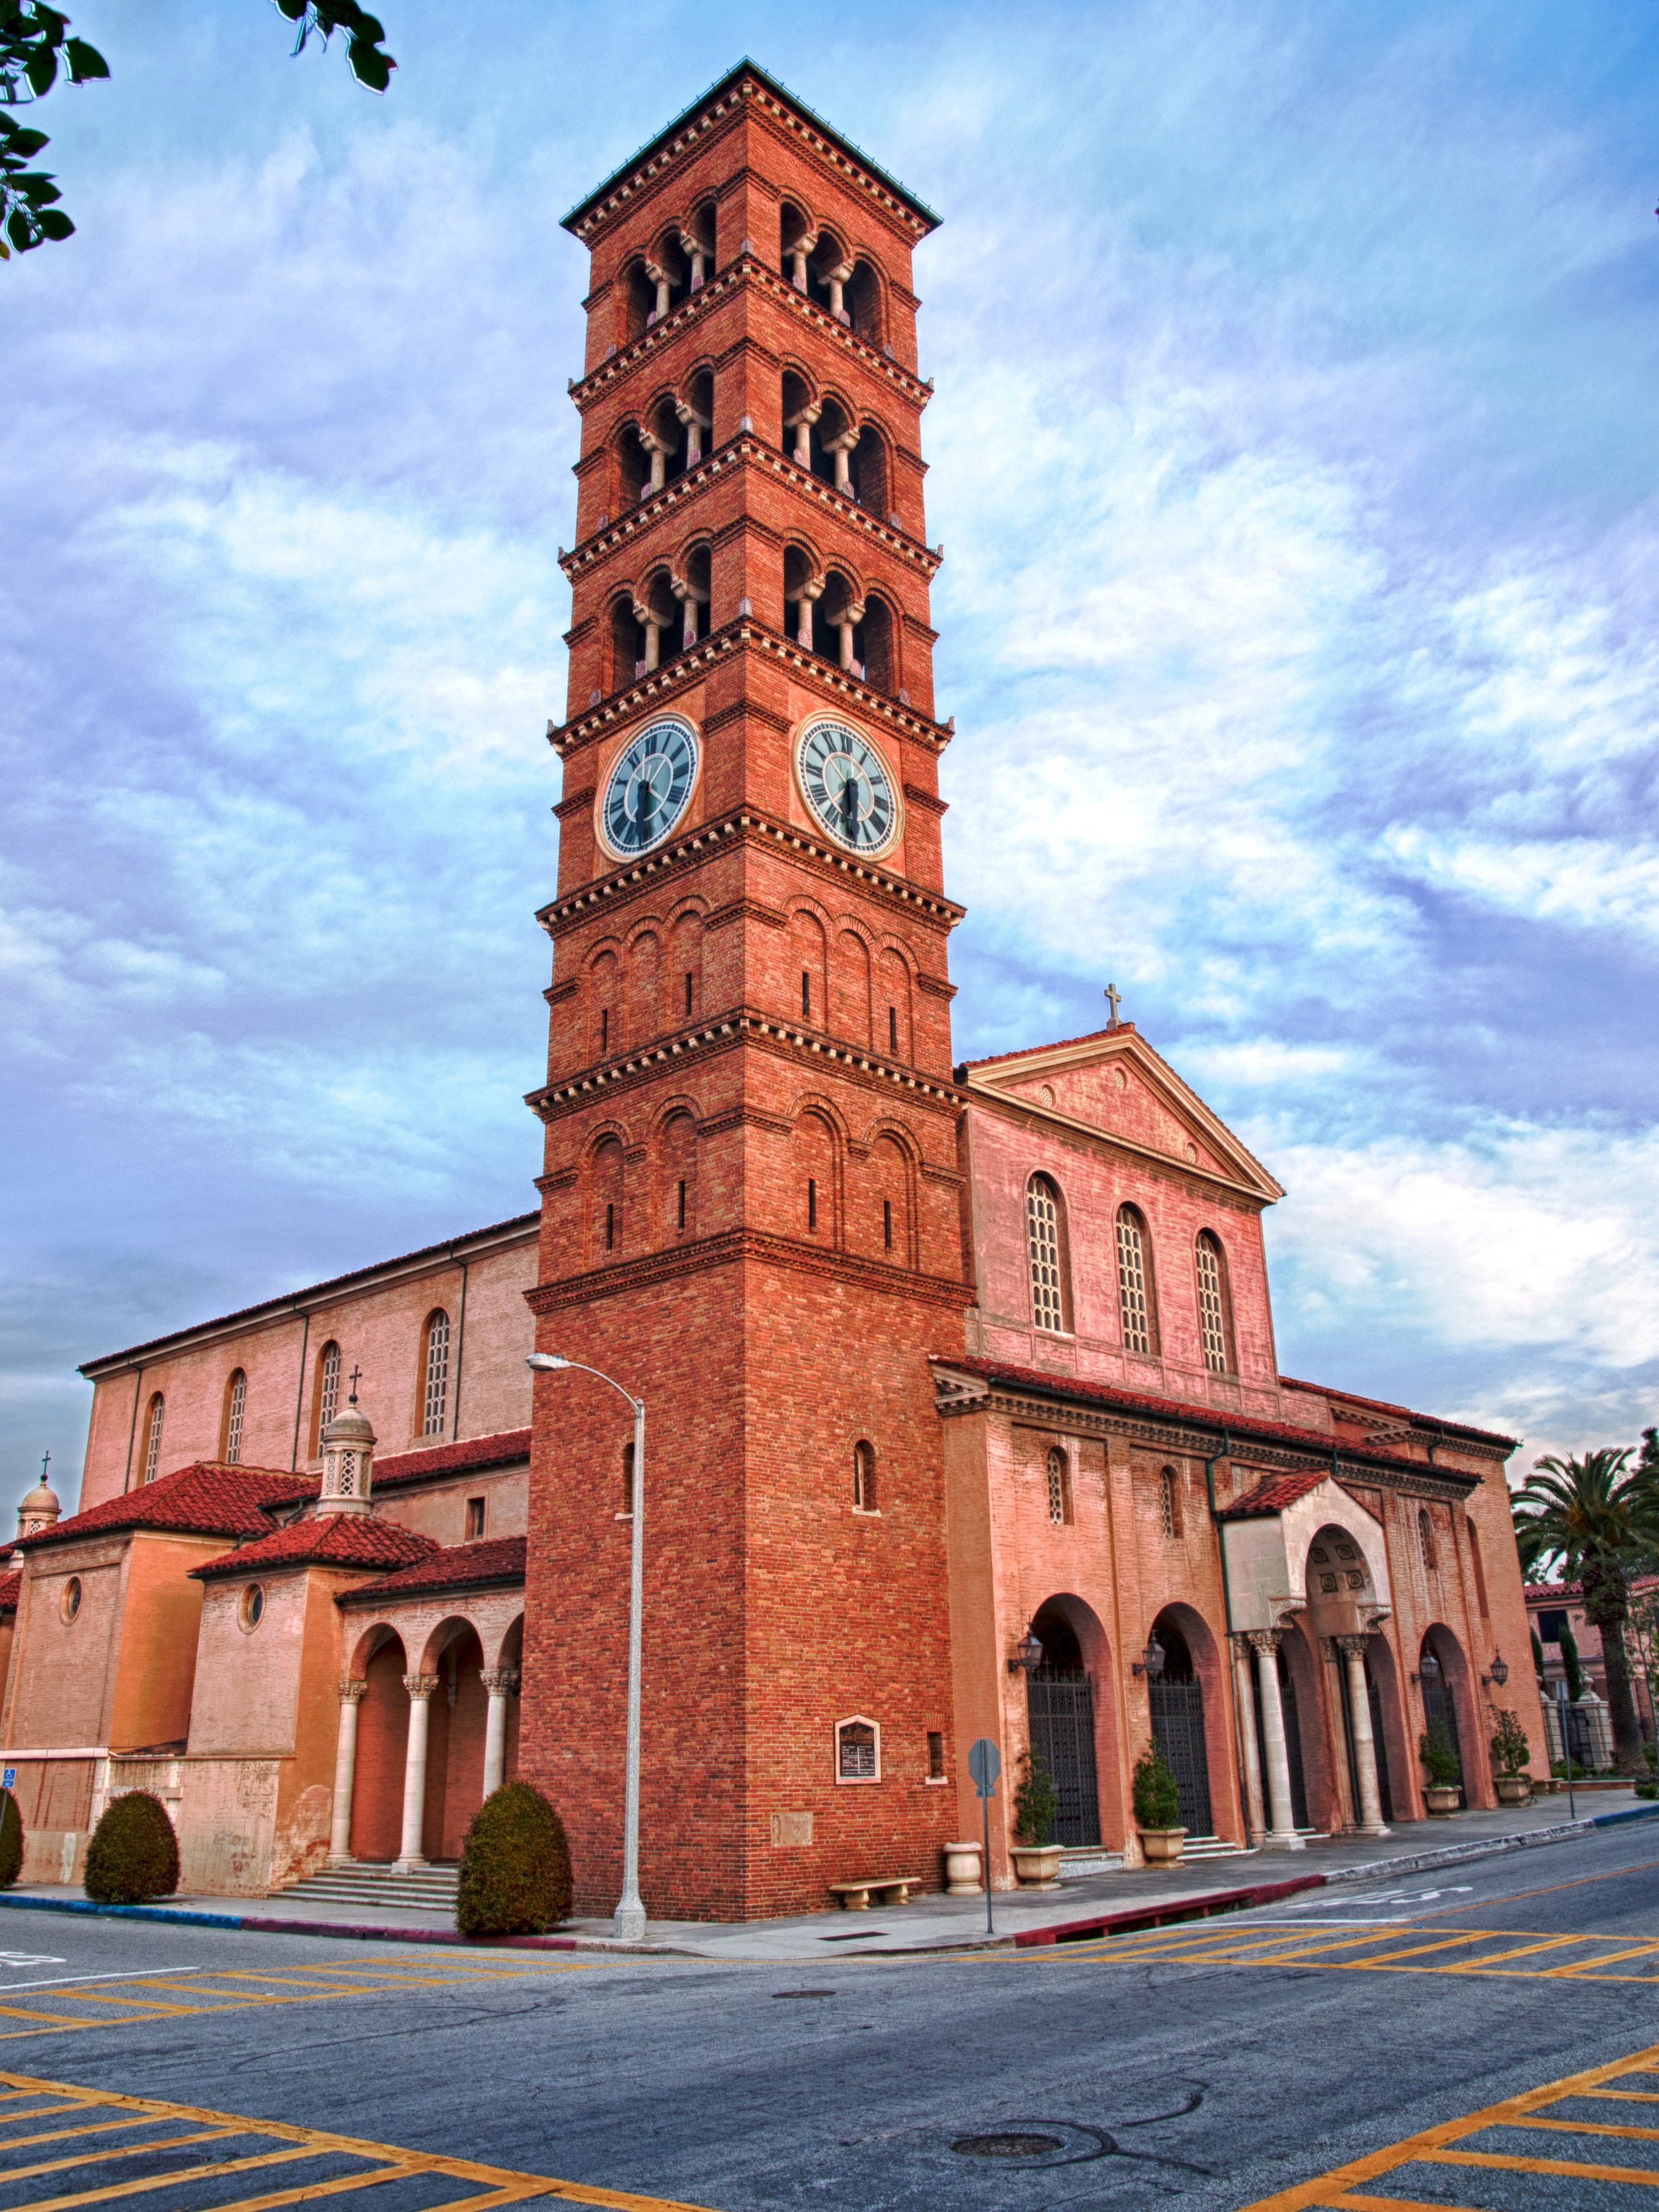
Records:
x=1264, y=1639
x=1351, y=1647
x=353, y=1688
x=500, y=1681
x=420, y=1685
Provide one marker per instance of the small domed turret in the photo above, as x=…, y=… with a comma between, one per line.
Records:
x=348, y=1447
x=39, y=1510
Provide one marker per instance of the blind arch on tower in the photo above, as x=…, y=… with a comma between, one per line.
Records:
x=1137, y=1290
x=1045, y=1248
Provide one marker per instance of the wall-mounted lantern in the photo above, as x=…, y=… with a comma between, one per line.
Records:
x=1027, y=1654
x=1151, y=1661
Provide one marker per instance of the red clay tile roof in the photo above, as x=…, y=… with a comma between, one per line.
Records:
x=497, y=1559
x=1273, y=1495
x=1056, y=1044
x=1195, y=1416
x=459, y=1458
x=206, y=1499
x=9, y=1586
x=1429, y=1421
x=335, y=1539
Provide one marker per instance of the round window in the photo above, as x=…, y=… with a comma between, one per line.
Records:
x=253, y=1607
x=69, y=1604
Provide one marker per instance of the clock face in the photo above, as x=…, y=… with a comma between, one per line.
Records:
x=845, y=782
x=650, y=787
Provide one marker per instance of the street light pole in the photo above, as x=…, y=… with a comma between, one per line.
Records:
x=628, y=1919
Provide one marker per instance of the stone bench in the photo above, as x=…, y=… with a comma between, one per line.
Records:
x=890, y=1889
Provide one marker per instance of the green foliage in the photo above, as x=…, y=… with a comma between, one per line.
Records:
x=1647, y=1789
x=37, y=53
x=1511, y=1752
x=1036, y=1802
x=11, y=1839
x=1560, y=1768
x=1157, y=1799
x=1439, y=1757
x=1569, y=1666
x=134, y=1854
x=364, y=35
x=515, y=1866
x=1650, y=1753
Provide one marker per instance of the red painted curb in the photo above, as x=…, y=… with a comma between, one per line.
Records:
x=1174, y=1909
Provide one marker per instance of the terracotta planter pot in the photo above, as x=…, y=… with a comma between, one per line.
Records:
x=1038, y=1865
x=1441, y=1798
x=962, y=1875
x=1514, y=1788
x=1161, y=1846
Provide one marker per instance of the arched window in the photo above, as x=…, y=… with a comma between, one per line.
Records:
x=1169, y=1503
x=230, y=1445
x=1136, y=1294
x=1214, y=1307
x=1425, y=1539
x=1480, y=1569
x=325, y=1398
x=153, y=1420
x=864, y=1478
x=1060, y=1488
x=434, y=1370
x=1042, y=1242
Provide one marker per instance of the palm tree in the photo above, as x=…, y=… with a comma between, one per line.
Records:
x=1596, y=1520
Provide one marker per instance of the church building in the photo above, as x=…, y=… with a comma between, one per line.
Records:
x=963, y=1412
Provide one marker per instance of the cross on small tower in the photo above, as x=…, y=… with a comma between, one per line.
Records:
x=44, y=1463
x=352, y=1379
x=1113, y=997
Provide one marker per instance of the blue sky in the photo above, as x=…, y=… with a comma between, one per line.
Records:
x=1295, y=455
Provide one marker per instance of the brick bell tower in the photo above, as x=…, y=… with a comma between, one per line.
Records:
x=750, y=1202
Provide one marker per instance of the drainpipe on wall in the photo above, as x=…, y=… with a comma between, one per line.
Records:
x=137, y=1394
x=460, y=1349
x=1239, y=1723
x=299, y=1393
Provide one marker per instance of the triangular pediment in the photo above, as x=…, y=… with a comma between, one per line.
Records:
x=1115, y=1085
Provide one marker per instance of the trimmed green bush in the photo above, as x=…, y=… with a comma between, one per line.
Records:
x=1439, y=1757
x=1036, y=1802
x=134, y=1854
x=11, y=1839
x=1511, y=1752
x=1569, y=1666
x=1158, y=1797
x=515, y=1866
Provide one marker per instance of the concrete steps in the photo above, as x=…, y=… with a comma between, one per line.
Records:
x=373, y=1889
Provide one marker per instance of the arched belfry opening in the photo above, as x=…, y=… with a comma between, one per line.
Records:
x=1060, y=1716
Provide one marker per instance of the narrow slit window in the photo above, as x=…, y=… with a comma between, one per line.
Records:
x=158, y=1407
x=892, y=1029
x=1168, y=1501
x=811, y=1203
x=604, y=1029
x=475, y=1519
x=1043, y=1235
x=1426, y=1541
x=1060, y=1488
x=680, y=1220
x=235, y=1405
x=887, y=1223
x=864, y=1478
x=435, y=1402
x=936, y=1754
x=688, y=995
x=328, y=1391
x=806, y=994
x=627, y=1477
x=610, y=1228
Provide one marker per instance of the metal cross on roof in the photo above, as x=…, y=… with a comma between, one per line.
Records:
x=352, y=1379
x=1113, y=997
x=44, y=1463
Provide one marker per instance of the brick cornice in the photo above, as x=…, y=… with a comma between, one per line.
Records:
x=736, y=1247
x=729, y=834
x=612, y=1079
x=747, y=449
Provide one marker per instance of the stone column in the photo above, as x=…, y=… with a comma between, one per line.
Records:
x=345, y=1771
x=691, y=600
x=658, y=448
x=850, y=622
x=420, y=1688
x=696, y=425
x=659, y=278
x=652, y=629
x=1244, y=1699
x=697, y=254
x=841, y=447
x=798, y=253
x=804, y=620
x=801, y=424
x=1281, y=1834
x=1369, y=1807
x=837, y=278
x=499, y=1682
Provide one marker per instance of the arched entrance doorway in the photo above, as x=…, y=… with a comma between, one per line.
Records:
x=455, y=1738
x=377, y=1797
x=1176, y=1697
x=1439, y=1661
x=1061, y=1717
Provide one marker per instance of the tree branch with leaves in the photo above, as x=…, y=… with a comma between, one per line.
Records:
x=37, y=53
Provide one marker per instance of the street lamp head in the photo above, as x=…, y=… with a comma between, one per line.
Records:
x=546, y=1362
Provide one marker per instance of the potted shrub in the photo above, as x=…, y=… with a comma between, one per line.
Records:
x=1443, y=1768
x=1511, y=1755
x=1157, y=1809
x=1037, y=1861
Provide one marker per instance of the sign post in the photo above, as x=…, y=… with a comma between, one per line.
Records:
x=984, y=1765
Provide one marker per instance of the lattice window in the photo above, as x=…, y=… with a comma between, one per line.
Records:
x=436, y=1399
x=153, y=1437
x=1042, y=1237
x=1060, y=1488
x=864, y=1478
x=1139, y=1333
x=328, y=1387
x=1426, y=1541
x=1169, y=1502
x=235, y=1403
x=1211, y=1306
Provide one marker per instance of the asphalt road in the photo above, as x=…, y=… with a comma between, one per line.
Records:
x=1146, y=2070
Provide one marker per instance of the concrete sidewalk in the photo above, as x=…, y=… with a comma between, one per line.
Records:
x=930, y=1923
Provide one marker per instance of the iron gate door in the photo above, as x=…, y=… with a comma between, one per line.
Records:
x=1060, y=1708
x=1437, y=1705
x=1383, y=1789
x=1178, y=1732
